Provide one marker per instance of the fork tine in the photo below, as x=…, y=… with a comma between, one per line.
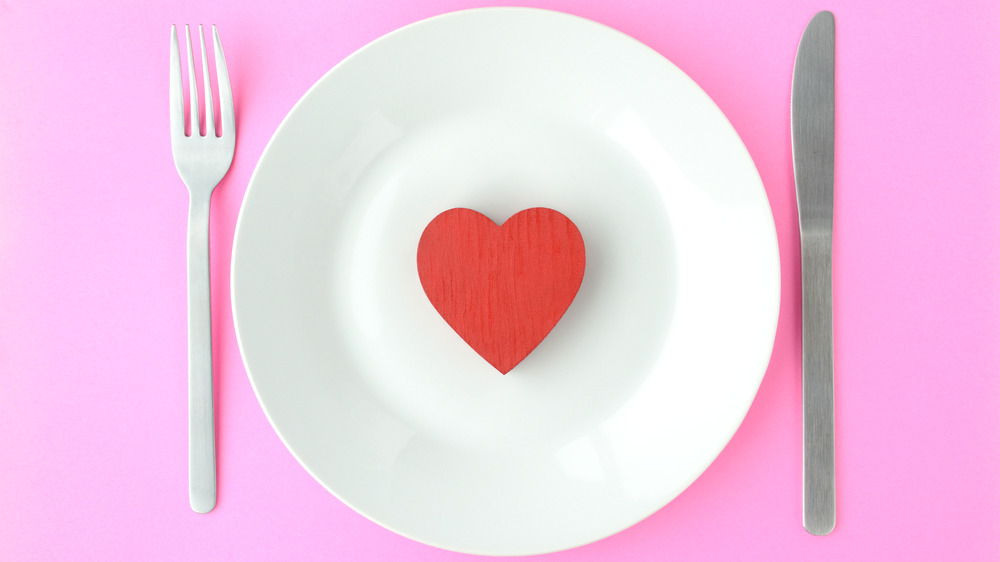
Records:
x=209, y=105
x=227, y=115
x=176, y=88
x=192, y=87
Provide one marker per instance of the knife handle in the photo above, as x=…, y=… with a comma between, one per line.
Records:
x=819, y=502
x=201, y=410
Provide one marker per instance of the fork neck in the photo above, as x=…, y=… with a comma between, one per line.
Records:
x=199, y=198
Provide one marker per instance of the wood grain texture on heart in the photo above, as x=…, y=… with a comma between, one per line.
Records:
x=502, y=288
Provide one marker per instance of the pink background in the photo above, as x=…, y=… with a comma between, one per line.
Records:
x=92, y=284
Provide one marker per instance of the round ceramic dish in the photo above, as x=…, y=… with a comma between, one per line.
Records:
x=640, y=385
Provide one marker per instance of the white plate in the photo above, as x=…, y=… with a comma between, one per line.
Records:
x=634, y=392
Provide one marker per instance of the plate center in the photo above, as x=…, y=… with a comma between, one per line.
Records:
x=415, y=367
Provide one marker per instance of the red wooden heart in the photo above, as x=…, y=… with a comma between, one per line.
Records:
x=501, y=288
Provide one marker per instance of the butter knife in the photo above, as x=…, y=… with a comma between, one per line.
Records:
x=812, y=155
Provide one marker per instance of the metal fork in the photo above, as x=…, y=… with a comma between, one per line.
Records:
x=202, y=161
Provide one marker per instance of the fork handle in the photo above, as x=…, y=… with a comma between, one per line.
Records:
x=201, y=414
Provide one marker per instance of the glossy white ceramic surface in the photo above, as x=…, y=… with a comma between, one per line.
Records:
x=635, y=391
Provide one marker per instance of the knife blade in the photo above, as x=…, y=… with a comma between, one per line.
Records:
x=812, y=156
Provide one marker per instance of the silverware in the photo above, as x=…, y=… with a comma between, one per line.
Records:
x=202, y=161
x=812, y=153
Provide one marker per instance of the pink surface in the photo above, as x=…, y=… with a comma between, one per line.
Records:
x=92, y=285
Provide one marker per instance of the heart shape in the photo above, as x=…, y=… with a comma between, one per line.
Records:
x=501, y=288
